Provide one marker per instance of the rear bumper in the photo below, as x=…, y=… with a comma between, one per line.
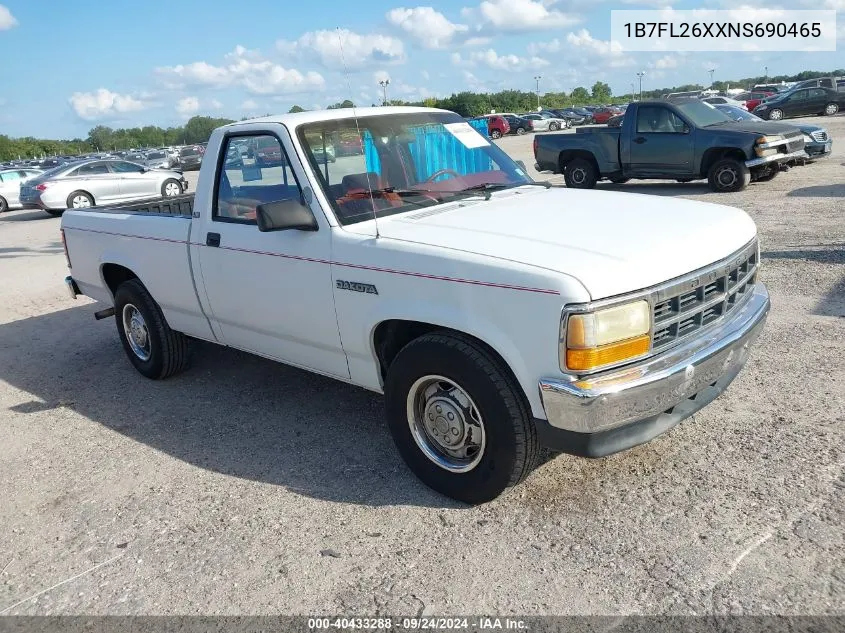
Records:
x=610, y=412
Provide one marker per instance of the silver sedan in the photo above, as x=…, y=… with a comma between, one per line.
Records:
x=10, y=185
x=98, y=182
x=545, y=123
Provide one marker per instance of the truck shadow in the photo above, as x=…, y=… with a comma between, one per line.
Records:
x=231, y=413
x=26, y=216
x=833, y=301
x=24, y=251
x=819, y=191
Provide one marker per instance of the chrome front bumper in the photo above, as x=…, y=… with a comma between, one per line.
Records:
x=664, y=384
x=756, y=162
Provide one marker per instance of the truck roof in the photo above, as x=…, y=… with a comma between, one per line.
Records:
x=312, y=116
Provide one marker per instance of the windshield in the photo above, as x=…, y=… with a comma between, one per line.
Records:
x=702, y=114
x=409, y=160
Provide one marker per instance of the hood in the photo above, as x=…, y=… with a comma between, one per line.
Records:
x=808, y=129
x=761, y=127
x=613, y=243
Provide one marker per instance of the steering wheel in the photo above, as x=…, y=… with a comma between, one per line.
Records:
x=442, y=172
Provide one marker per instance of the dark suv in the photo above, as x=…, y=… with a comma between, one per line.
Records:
x=190, y=158
x=519, y=125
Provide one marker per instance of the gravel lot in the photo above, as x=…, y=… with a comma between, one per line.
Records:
x=245, y=487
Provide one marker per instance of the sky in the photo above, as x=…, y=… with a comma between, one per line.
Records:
x=68, y=66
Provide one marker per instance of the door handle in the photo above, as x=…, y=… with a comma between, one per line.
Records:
x=640, y=140
x=212, y=239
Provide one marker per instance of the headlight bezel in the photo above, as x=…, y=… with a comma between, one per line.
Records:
x=644, y=297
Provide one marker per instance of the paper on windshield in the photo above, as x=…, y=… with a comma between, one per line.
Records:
x=465, y=133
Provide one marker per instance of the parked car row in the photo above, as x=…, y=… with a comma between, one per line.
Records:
x=184, y=157
x=86, y=183
x=549, y=120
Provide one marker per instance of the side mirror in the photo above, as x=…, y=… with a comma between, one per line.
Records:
x=685, y=129
x=521, y=165
x=284, y=215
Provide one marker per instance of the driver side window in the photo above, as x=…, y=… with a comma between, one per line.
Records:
x=658, y=120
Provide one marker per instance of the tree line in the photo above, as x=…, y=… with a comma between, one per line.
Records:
x=466, y=103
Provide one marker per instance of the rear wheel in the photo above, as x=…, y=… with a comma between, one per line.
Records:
x=520, y=130
x=459, y=418
x=4, y=205
x=554, y=126
x=171, y=187
x=728, y=175
x=496, y=134
x=79, y=200
x=831, y=109
x=580, y=173
x=776, y=114
x=153, y=348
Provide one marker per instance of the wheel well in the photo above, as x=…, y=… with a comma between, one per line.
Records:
x=115, y=274
x=717, y=153
x=391, y=336
x=570, y=154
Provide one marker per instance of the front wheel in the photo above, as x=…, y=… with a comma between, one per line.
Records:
x=459, y=418
x=554, y=127
x=520, y=130
x=171, y=187
x=580, y=173
x=728, y=175
x=831, y=108
x=153, y=348
x=775, y=115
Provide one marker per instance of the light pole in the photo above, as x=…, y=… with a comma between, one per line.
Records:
x=633, y=92
x=711, y=71
x=384, y=83
x=641, y=74
x=537, y=78
x=765, y=73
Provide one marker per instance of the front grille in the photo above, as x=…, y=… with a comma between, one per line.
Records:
x=820, y=136
x=697, y=301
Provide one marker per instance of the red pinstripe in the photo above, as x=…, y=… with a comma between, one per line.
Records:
x=391, y=271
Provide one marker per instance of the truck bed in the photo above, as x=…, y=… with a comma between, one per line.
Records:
x=601, y=142
x=181, y=206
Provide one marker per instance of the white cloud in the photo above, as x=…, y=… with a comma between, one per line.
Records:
x=491, y=59
x=104, y=104
x=665, y=62
x=358, y=51
x=429, y=28
x=188, y=106
x=7, y=20
x=249, y=104
x=245, y=69
x=593, y=52
x=214, y=104
x=520, y=15
x=424, y=74
x=477, y=41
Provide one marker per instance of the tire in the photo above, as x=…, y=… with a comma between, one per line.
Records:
x=171, y=187
x=554, y=126
x=728, y=175
x=4, y=205
x=776, y=114
x=79, y=200
x=496, y=134
x=520, y=131
x=580, y=173
x=831, y=108
x=618, y=181
x=445, y=361
x=154, y=349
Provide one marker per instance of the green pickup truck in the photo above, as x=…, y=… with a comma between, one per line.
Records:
x=674, y=141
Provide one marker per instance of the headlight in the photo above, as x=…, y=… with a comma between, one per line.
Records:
x=605, y=337
x=760, y=146
x=808, y=139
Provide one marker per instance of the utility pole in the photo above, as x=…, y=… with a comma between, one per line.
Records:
x=641, y=74
x=537, y=78
x=384, y=83
x=711, y=71
x=765, y=73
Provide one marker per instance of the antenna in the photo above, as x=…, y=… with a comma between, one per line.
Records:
x=358, y=128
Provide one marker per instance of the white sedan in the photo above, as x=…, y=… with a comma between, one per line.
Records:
x=725, y=101
x=546, y=124
x=10, y=186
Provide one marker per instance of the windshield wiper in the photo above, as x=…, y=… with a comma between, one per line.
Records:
x=485, y=188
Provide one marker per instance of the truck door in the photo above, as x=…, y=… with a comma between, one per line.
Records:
x=269, y=293
x=661, y=143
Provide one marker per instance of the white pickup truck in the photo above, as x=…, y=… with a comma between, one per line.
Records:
x=399, y=250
